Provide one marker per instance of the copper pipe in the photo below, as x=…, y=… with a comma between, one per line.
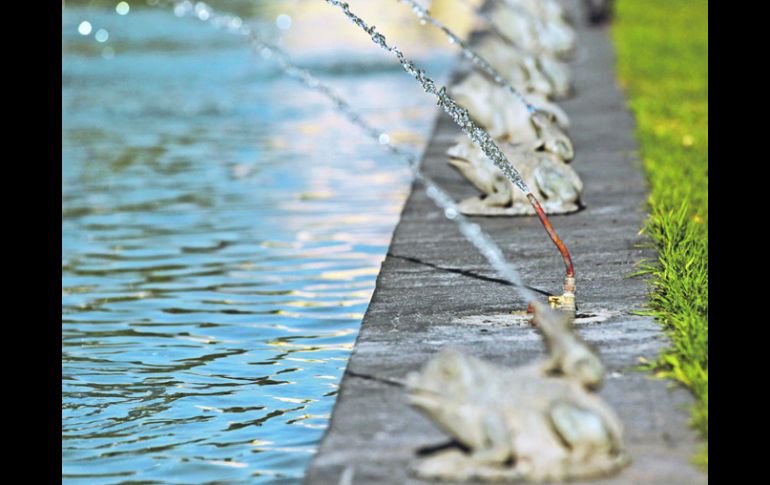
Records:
x=554, y=237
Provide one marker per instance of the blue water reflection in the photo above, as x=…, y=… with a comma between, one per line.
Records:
x=222, y=229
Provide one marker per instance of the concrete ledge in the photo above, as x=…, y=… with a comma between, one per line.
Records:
x=432, y=278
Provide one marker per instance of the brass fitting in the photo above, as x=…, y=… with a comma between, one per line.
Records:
x=566, y=301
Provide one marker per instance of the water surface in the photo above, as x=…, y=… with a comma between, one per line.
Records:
x=222, y=229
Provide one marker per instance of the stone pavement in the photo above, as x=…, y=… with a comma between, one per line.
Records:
x=433, y=283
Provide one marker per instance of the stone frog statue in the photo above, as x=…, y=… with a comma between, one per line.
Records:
x=540, y=422
x=543, y=74
x=505, y=117
x=546, y=10
x=535, y=29
x=555, y=184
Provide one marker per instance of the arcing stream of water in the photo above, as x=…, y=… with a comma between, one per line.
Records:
x=473, y=232
x=459, y=114
x=424, y=15
x=478, y=135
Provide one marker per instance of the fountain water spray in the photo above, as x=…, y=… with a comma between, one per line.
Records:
x=424, y=15
x=480, y=137
x=472, y=232
x=541, y=120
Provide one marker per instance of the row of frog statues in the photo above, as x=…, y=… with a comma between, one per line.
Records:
x=543, y=421
x=528, y=44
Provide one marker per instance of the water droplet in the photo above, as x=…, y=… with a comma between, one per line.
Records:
x=84, y=28
x=236, y=22
x=283, y=21
x=181, y=9
x=108, y=52
x=384, y=139
x=450, y=213
x=101, y=35
x=122, y=8
x=266, y=53
x=202, y=11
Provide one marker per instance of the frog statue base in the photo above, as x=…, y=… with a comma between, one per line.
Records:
x=475, y=206
x=536, y=423
x=456, y=465
x=554, y=183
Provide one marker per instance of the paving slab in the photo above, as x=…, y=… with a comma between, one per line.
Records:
x=435, y=290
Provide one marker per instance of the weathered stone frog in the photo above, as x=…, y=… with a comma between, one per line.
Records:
x=568, y=354
x=505, y=117
x=543, y=74
x=510, y=63
x=522, y=70
x=551, y=135
x=558, y=73
x=535, y=30
x=538, y=423
x=556, y=185
x=548, y=10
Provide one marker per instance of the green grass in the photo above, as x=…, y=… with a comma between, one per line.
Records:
x=662, y=49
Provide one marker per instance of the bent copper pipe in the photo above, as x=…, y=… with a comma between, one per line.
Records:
x=567, y=300
x=552, y=234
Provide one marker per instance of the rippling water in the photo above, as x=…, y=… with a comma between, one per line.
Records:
x=222, y=229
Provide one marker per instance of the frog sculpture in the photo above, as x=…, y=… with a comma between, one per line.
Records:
x=543, y=74
x=547, y=10
x=540, y=422
x=521, y=70
x=524, y=71
x=535, y=31
x=554, y=183
x=505, y=117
